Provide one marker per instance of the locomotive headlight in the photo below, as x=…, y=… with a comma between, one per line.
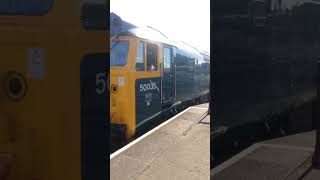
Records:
x=114, y=88
x=15, y=86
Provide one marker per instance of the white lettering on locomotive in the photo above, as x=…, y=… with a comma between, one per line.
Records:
x=149, y=86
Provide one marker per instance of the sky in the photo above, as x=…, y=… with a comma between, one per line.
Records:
x=183, y=20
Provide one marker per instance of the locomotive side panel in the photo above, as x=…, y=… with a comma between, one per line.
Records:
x=185, y=77
x=148, y=98
x=264, y=60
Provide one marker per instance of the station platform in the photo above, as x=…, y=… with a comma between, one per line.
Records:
x=179, y=148
x=287, y=158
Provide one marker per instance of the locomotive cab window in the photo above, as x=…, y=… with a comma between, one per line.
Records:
x=93, y=16
x=140, y=57
x=25, y=7
x=152, y=54
x=167, y=58
x=119, y=53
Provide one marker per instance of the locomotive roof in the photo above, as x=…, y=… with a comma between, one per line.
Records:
x=148, y=33
x=153, y=35
x=120, y=27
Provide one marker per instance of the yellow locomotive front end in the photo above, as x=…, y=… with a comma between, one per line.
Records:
x=137, y=69
x=122, y=85
x=43, y=48
x=132, y=59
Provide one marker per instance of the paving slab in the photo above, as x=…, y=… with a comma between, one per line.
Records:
x=146, y=150
x=187, y=159
x=301, y=140
x=177, y=127
x=206, y=120
x=124, y=167
x=198, y=109
x=178, y=150
x=205, y=105
x=277, y=159
x=313, y=175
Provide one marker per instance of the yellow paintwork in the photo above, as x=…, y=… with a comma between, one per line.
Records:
x=42, y=131
x=122, y=103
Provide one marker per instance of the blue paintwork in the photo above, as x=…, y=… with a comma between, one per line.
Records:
x=191, y=75
x=265, y=62
x=147, y=99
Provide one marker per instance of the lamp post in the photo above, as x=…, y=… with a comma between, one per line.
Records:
x=316, y=121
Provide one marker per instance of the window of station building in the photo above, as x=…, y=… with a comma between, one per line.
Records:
x=140, y=57
x=119, y=53
x=25, y=7
x=94, y=14
x=152, y=50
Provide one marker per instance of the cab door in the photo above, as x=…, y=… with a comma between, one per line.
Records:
x=168, y=77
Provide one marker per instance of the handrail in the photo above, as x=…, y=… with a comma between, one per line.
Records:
x=161, y=77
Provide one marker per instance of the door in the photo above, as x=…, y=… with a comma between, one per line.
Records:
x=168, y=75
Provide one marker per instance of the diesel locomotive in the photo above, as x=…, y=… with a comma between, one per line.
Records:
x=265, y=56
x=150, y=76
x=52, y=102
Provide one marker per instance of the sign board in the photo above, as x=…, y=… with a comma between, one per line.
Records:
x=35, y=63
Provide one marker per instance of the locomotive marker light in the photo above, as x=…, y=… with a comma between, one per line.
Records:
x=15, y=86
x=114, y=88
